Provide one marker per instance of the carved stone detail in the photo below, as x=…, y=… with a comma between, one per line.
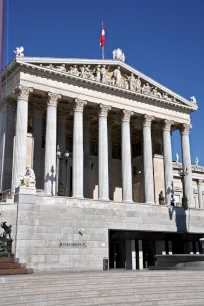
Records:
x=111, y=75
x=167, y=125
x=185, y=129
x=147, y=120
x=103, y=111
x=23, y=92
x=126, y=115
x=53, y=99
x=79, y=105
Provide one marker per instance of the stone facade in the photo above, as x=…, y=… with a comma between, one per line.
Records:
x=98, y=135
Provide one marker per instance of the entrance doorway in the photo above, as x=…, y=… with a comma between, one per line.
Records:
x=138, y=249
x=117, y=254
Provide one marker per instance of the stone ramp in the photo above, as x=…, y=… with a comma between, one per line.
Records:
x=172, y=288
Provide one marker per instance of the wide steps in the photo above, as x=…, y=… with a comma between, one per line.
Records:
x=11, y=266
x=128, y=288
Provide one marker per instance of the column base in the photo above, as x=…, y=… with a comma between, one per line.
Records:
x=77, y=197
x=150, y=203
x=128, y=201
x=104, y=199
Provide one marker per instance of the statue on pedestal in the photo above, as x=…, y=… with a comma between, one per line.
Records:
x=28, y=180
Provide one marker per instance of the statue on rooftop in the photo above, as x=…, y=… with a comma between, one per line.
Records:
x=19, y=51
x=193, y=100
x=196, y=161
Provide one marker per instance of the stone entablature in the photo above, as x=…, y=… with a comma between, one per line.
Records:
x=111, y=74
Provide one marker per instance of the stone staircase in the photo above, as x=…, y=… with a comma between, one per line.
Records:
x=11, y=266
x=121, y=288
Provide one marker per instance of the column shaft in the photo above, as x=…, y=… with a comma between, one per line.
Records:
x=200, y=194
x=147, y=159
x=78, y=158
x=110, y=162
x=38, y=139
x=103, y=153
x=87, y=168
x=168, y=172
x=20, y=149
x=61, y=141
x=51, y=144
x=126, y=157
x=188, y=183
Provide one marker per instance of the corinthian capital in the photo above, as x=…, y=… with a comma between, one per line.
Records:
x=79, y=105
x=23, y=92
x=53, y=99
x=103, y=111
x=126, y=115
x=167, y=125
x=185, y=129
x=147, y=120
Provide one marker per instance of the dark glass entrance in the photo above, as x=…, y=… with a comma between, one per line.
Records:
x=137, y=249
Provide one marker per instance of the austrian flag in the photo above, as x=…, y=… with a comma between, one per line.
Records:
x=103, y=36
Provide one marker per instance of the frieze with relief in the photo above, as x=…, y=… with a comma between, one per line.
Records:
x=112, y=75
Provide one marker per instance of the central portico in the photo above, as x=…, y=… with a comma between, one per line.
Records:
x=108, y=116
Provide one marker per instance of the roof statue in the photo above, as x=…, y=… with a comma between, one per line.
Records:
x=193, y=100
x=196, y=161
x=118, y=55
x=177, y=158
x=19, y=51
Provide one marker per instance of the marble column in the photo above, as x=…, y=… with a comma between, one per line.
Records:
x=168, y=171
x=51, y=144
x=188, y=183
x=7, y=143
x=200, y=194
x=20, y=149
x=62, y=142
x=147, y=160
x=87, y=166
x=126, y=157
x=38, y=141
x=78, y=154
x=103, y=188
x=110, y=160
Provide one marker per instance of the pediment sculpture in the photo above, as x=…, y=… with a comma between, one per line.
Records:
x=111, y=75
x=28, y=180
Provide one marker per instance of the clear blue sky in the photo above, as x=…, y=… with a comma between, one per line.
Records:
x=162, y=38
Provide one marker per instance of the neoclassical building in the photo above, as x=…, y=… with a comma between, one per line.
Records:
x=97, y=134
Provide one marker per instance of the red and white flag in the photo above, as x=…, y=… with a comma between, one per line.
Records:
x=103, y=36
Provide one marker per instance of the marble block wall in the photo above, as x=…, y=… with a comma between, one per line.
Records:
x=51, y=221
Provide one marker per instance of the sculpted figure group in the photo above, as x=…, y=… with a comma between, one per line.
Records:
x=101, y=73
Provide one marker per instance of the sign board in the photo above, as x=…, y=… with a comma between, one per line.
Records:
x=67, y=244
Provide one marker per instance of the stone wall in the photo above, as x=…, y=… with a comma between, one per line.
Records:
x=49, y=221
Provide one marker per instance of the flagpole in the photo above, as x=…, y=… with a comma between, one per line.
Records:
x=103, y=53
x=1, y=42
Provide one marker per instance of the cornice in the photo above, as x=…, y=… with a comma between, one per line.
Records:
x=187, y=106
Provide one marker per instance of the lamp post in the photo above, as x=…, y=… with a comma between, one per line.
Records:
x=60, y=157
x=183, y=173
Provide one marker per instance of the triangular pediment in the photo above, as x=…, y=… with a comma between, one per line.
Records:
x=109, y=73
